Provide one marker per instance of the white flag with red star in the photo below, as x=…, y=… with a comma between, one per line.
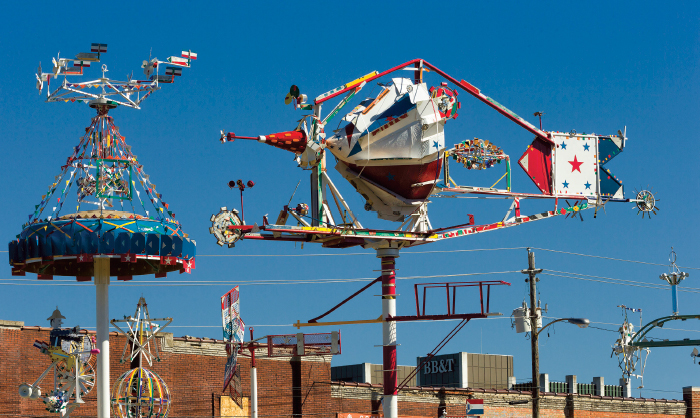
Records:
x=575, y=165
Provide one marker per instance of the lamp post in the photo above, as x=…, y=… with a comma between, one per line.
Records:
x=581, y=322
x=535, y=333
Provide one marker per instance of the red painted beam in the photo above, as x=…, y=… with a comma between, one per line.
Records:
x=464, y=86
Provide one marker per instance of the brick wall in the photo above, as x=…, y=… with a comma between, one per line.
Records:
x=294, y=387
x=691, y=396
x=430, y=402
x=191, y=367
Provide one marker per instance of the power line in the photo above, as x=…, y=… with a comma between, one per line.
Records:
x=67, y=282
x=610, y=258
x=618, y=282
x=441, y=252
x=446, y=251
x=364, y=253
x=662, y=286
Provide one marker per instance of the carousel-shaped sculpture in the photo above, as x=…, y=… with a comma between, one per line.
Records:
x=140, y=392
x=114, y=223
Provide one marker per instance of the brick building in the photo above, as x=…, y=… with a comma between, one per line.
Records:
x=299, y=387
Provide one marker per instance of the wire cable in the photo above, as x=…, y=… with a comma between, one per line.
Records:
x=68, y=282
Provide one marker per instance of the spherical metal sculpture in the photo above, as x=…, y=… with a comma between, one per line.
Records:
x=140, y=393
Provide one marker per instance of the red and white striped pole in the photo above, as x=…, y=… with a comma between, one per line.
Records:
x=390, y=403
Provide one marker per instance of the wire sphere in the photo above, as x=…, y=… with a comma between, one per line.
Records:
x=140, y=393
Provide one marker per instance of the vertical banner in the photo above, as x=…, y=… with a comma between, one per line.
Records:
x=233, y=325
x=233, y=330
x=230, y=369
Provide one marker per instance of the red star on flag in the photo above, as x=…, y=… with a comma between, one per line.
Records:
x=575, y=165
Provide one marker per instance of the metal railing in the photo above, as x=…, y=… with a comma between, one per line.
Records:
x=612, y=390
x=585, y=388
x=558, y=387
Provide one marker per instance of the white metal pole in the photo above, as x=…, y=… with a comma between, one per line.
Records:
x=390, y=403
x=102, y=314
x=253, y=392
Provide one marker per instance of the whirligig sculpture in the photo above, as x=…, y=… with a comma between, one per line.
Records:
x=392, y=149
x=632, y=345
x=72, y=358
x=120, y=224
x=140, y=392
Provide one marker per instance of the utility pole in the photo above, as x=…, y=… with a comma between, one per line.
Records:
x=532, y=272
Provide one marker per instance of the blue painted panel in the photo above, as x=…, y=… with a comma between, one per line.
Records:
x=152, y=244
x=33, y=246
x=73, y=244
x=58, y=243
x=22, y=250
x=12, y=251
x=609, y=184
x=122, y=244
x=607, y=149
x=107, y=243
x=138, y=243
x=46, y=248
x=86, y=244
x=94, y=240
x=187, y=249
x=177, y=246
x=166, y=245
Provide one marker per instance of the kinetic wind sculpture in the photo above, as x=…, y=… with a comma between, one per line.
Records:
x=234, y=333
x=140, y=392
x=631, y=359
x=72, y=363
x=631, y=344
x=277, y=346
x=392, y=149
x=120, y=225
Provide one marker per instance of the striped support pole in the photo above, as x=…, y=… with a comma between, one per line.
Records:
x=390, y=403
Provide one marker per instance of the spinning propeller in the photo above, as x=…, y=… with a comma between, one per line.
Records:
x=296, y=96
x=646, y=203
x=576, y=211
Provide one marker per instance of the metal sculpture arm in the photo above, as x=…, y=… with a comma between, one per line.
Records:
x=639, y=338
x=464, y=85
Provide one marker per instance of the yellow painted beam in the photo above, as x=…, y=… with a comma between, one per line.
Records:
x=320, y=324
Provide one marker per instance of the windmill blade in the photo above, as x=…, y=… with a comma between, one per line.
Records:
x=600, y=204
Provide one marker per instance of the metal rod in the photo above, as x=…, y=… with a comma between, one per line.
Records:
x=447, y=293
x=488, y=298
x=242, y=215
x=101, y=272
x=415, y=289
x=481, y=297
x=253, y=380
x=347, y=299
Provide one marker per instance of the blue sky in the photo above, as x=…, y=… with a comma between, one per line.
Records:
x=593, y=67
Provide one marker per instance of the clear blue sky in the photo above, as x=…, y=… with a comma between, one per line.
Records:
x=594, y=68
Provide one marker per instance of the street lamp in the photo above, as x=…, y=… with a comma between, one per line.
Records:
x=580, y=322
